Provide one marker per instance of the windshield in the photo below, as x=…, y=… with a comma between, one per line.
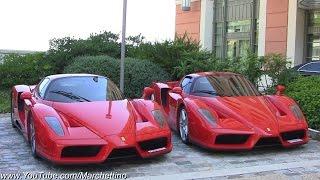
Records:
x=82, y=89
x=226, y=85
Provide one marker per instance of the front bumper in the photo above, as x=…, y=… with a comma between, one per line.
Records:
x=228, y=140
x=87, y=151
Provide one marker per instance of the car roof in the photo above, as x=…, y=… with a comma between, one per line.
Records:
x=310, y=62
x=58, y=76
x=212, y=73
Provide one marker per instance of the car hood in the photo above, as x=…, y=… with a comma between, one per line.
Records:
x=255, y=112
x=104, y=118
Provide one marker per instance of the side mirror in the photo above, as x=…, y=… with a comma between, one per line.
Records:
x=26, y=95
x=280, y=90
x=177, y=90
x=147, y=93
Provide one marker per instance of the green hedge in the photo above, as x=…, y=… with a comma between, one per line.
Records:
x=306, y=91
x=4, y=101
x=138, y=73
x=23, y=69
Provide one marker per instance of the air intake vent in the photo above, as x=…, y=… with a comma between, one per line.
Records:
x=232, y=139
x=270, y=141
x=122, y=153
x=153, y=144
x=80, y=151
x=300, y=134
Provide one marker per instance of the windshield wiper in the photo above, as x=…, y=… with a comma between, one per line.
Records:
x=206, y=92
x=71, y=96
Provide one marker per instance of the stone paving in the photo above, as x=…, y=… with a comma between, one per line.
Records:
x=184, y=162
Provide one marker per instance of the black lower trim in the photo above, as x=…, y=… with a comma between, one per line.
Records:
x=232, y=139
x=268, y=141
x=298, y=134
x=123, y=153
x=80, y=151
x=153, y=144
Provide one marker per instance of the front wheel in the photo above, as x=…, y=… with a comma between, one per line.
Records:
x=32, y=138
x=184, y=126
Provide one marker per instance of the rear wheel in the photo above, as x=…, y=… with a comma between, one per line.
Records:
x=184, y=126
x=32, y=138
x=12, y=112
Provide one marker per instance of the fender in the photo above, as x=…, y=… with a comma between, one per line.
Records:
x=175, y=103
x=143, y=110
x=282, y=103
x=22, y=88
x=20, y=108
x=39, y=112
x=161, y=93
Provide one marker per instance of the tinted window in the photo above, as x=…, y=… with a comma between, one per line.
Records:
x=186, y=84
x=43, y=86
x=82, y=89
x=314, y=66
x=226, y=85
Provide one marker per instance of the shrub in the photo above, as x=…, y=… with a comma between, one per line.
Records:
x=63, y=50
x=275, y=66
x=4, y=101
x=306, y=91
x=138, y=73
x=23, y=69
x=167, y=54
x=201, y=61
x=251, y=66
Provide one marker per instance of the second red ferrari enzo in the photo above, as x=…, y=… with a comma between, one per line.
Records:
x=224, y=111
x=82, y=118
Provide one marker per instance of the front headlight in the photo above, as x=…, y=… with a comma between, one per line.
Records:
x=208, y=116
x=295, y=109
x=55, y=125
x=159, y=117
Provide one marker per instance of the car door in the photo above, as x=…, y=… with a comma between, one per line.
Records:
x=176, y=99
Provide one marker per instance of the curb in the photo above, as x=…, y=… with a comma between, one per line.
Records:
x=314, y=134
x=5, y=115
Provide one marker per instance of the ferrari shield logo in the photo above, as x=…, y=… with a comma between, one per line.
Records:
x=123, y=138
x=268, y=129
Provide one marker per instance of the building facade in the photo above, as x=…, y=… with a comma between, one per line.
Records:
x=230, y=27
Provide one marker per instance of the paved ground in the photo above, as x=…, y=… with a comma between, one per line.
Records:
x=184, y=162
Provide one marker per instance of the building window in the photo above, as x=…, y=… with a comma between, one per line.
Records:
x=237, y=48
x=239, y=26
x=235, y=27
x=313, y=47
x=313, y=36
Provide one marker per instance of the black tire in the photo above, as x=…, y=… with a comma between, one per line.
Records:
x=32, y=138
x=183, y=126
x=12, y=112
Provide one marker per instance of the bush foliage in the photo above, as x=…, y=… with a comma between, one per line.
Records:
x=23, y=69
x=139, y=73
x=306, y=91
x=4, y=101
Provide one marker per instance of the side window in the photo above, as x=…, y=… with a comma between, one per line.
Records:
x=42, y=87
x=186, y=84
x=311, y=67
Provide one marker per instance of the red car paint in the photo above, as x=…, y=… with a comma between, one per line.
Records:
x=111, y=126
x=263, y=119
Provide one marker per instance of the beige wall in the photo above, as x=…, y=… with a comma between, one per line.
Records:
x=276, y=26
x=296, y=34
x=189, y=21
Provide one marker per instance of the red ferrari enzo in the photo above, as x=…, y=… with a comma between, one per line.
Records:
x=82, y=118
x=224, y=111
